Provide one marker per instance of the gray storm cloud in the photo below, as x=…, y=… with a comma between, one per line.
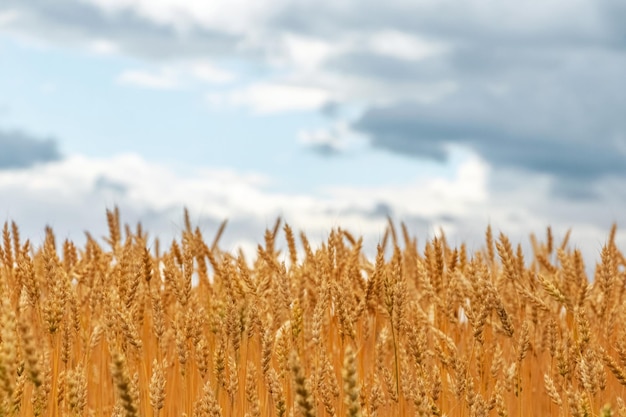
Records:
x=557, y=115
x=19, y=150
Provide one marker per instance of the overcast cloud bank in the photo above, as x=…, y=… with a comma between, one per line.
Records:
x=19, y=150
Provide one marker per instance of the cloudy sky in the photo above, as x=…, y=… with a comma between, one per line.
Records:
x=440, y=113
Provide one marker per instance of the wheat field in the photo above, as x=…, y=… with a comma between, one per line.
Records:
x=124, y=328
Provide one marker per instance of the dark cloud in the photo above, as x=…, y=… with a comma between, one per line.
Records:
x=448, y=20
x=19, y=150
x=578, y=191
x=474, y=62
x=420, y=131
x=382, y=67
x=559, y=115
x=614, y=16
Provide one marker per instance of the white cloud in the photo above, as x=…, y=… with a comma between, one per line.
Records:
x=307, y=53
x=103, y=47
x=160, y=80
x=80, y=188
x=207, y=72
x=172, y=77
x=404, y=46
x=71, y=195
x=429, y=197
x=8, y=16
x=273, y=98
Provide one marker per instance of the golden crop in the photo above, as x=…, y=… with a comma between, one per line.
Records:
x=121, y=331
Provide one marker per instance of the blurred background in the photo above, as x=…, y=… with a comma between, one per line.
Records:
x=446, y=115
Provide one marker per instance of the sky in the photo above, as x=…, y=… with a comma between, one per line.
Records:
x=447, y=115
